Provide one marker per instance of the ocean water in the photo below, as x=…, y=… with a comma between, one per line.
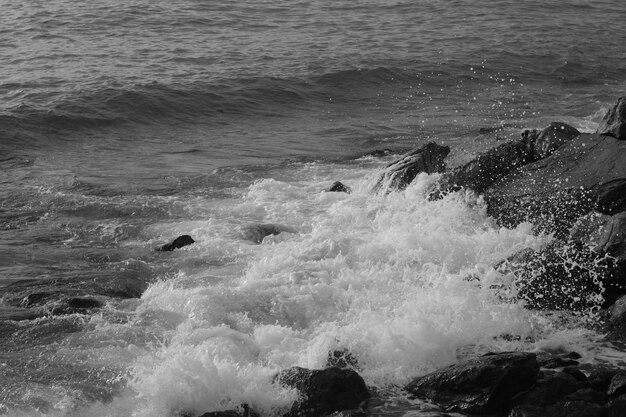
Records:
x=124, y=124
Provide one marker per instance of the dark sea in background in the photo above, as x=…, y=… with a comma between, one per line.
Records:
x=124, y=124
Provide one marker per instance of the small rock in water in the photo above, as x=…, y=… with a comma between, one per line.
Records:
x=481, y=385
x=324, y=391
x=339, y=187
x=177, y=243
x=257, y=232
x=614, y=121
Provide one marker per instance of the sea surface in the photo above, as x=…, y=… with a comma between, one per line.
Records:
x=124, y=124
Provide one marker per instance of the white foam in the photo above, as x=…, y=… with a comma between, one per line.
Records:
x=405, y=284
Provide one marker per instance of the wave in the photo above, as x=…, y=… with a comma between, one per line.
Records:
x=157, y=103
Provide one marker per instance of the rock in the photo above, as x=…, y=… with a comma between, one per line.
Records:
x=553, y=387
x=611, y=196
x=576, y=409
x=339, y=187
x=557, y=362
x=576, y=373
x=481, y=385
x=245, y=411
x=488, y=167
x=179, y=242
x=617, y=407
x=528, y=411
x=600, y=377
x=613, y=240
x=561, y=277
x=555, y=191
x=617, y=386
x=616, y=322
x=544, y=143
x=588, y=395
x=614, y=121
x=589, y=229
x=399, y=174
x=324, y=391
x=257, y=232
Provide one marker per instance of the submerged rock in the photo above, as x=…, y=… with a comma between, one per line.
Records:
x=339, y=187
x=324, y=391
x=614, y=121
x=399, y=174
x=482, y=385
x=257, y=232
x=177, y=243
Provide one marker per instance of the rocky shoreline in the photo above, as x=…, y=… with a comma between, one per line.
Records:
x=566, y=183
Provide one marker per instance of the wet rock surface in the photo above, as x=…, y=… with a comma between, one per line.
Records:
x=324, y=391
x=614, y=122
x=485, y=384
x=399, y=174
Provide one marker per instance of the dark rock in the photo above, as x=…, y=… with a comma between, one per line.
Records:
x=588, y=395
x=616, y=323
x=491, y=166
x=589, y=229
x=576, y=409
x=482, y=385
x=399, y=174
x=555, y=191
x=324, y=391
x=600, y=377
x=528, y=411
x=553, y=387
x=257, y=232
x=576, y=373
x=617, y=406
x=561, y=277
x=611, y=196
x=617, y=386
x=558, y=362
x=614, y=121
x=544, y=143
x=488, y=167
x=342, y=358
x=613, y=240
x=339, y=187
x=177, y=243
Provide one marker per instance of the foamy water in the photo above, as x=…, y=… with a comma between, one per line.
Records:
x=404, y=284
